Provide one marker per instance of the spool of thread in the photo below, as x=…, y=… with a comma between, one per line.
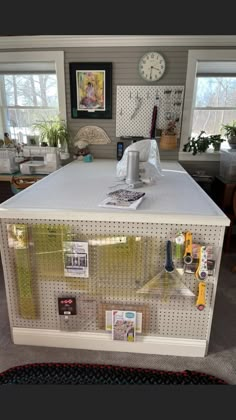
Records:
x=133, y=167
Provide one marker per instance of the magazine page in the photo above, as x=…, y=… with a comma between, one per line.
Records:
x=126, y=195
x=123, y=199
x=124, y=325
x=108, y=321
x=75, y=259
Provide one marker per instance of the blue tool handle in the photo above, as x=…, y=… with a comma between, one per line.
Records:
x=169, y=265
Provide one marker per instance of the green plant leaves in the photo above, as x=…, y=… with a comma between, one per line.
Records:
x=202, y=143
x=230, y=129
x=54, y=132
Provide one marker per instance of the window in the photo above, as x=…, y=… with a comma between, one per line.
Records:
x=215, y=104
x=32, y=88
x=26, y=98
x=210, y=97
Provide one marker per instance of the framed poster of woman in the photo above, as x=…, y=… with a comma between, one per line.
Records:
x=91, y=90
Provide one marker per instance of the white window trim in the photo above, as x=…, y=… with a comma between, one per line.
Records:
x=56, y=57
x=193, y=57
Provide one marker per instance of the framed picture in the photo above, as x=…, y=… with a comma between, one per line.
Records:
x=91, y=90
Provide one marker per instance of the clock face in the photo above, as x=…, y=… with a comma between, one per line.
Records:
x=152, y=66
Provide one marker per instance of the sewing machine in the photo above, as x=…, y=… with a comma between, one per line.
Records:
x=40, y=160
x=8, y=162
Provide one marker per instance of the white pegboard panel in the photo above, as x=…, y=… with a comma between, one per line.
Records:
x=169, y=101
x=116, y=271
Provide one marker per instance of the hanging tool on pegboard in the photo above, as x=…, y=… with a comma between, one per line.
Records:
x=138, y=104
x=154, y=117
x=201, y=274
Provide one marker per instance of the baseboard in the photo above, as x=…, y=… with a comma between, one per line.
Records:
x=104, y=342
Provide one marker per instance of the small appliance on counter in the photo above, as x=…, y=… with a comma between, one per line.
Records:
x=41, y=160
x=8, y=161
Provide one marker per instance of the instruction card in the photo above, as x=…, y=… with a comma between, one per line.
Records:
x=123, y=325
x=75, y=259
x=138, y=321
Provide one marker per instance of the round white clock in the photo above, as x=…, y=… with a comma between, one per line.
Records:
x=152, y=66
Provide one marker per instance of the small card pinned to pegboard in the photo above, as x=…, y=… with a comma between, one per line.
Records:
x=76, y=259
x=134, y=108
x=67, y=310
x=67, y=306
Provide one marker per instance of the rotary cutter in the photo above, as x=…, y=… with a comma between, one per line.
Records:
x=188, y=258
x=201, y=274
x=179, y=251
x=201, y=300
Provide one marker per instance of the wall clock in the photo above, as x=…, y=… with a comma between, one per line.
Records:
x=152, y=66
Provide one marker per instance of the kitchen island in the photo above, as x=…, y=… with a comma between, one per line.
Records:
x=125, y=249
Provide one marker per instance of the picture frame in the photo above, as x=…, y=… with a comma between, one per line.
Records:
x=91, y=90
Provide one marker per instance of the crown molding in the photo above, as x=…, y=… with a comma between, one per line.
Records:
x=63, y=41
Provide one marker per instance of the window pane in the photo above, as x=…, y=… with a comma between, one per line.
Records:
x=216, y=92
x=9, y=90
x=25, y=99
x=21, y=120
x=211, y=121
x=31, y=90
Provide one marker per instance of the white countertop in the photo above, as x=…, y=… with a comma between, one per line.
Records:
x=74, y=192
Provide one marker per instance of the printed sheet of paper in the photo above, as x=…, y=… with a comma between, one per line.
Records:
x=123, y=325
x=76, y=259
x=138, y=321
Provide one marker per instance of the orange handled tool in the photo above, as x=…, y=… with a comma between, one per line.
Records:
x=201, y=274
x=201, y=300
x=188, y=258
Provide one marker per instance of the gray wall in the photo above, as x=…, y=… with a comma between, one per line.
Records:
x=125, y=72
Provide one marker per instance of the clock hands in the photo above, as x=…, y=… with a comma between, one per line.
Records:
x=150, y=77
x=152, y=67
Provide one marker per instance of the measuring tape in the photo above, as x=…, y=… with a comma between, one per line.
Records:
x=201, y=274
x=188, y=258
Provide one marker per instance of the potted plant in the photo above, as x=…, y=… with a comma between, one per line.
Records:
x=168, y=139
x=216, y=140
x=230, y=132
x=53, y=132
x=197, y=145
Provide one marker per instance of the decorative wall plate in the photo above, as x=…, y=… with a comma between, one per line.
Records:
x=92, y=135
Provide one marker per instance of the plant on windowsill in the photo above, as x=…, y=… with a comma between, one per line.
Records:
x=197, y=145
x=202, y=143
x=216, y=140
x=230, y=132
x=53, y=132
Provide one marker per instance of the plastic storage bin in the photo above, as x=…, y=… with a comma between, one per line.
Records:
x=228, y=164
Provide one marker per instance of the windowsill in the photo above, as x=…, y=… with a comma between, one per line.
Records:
x=210, y=155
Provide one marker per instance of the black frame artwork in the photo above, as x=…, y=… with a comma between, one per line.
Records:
x=87, y=73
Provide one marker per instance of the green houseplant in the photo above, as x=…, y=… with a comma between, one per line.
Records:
x=230, y=132
x=52, y=132
x=216, y=140
x=197, y=145
x=202, y=143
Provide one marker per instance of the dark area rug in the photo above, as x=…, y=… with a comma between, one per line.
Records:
x=90, y=374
